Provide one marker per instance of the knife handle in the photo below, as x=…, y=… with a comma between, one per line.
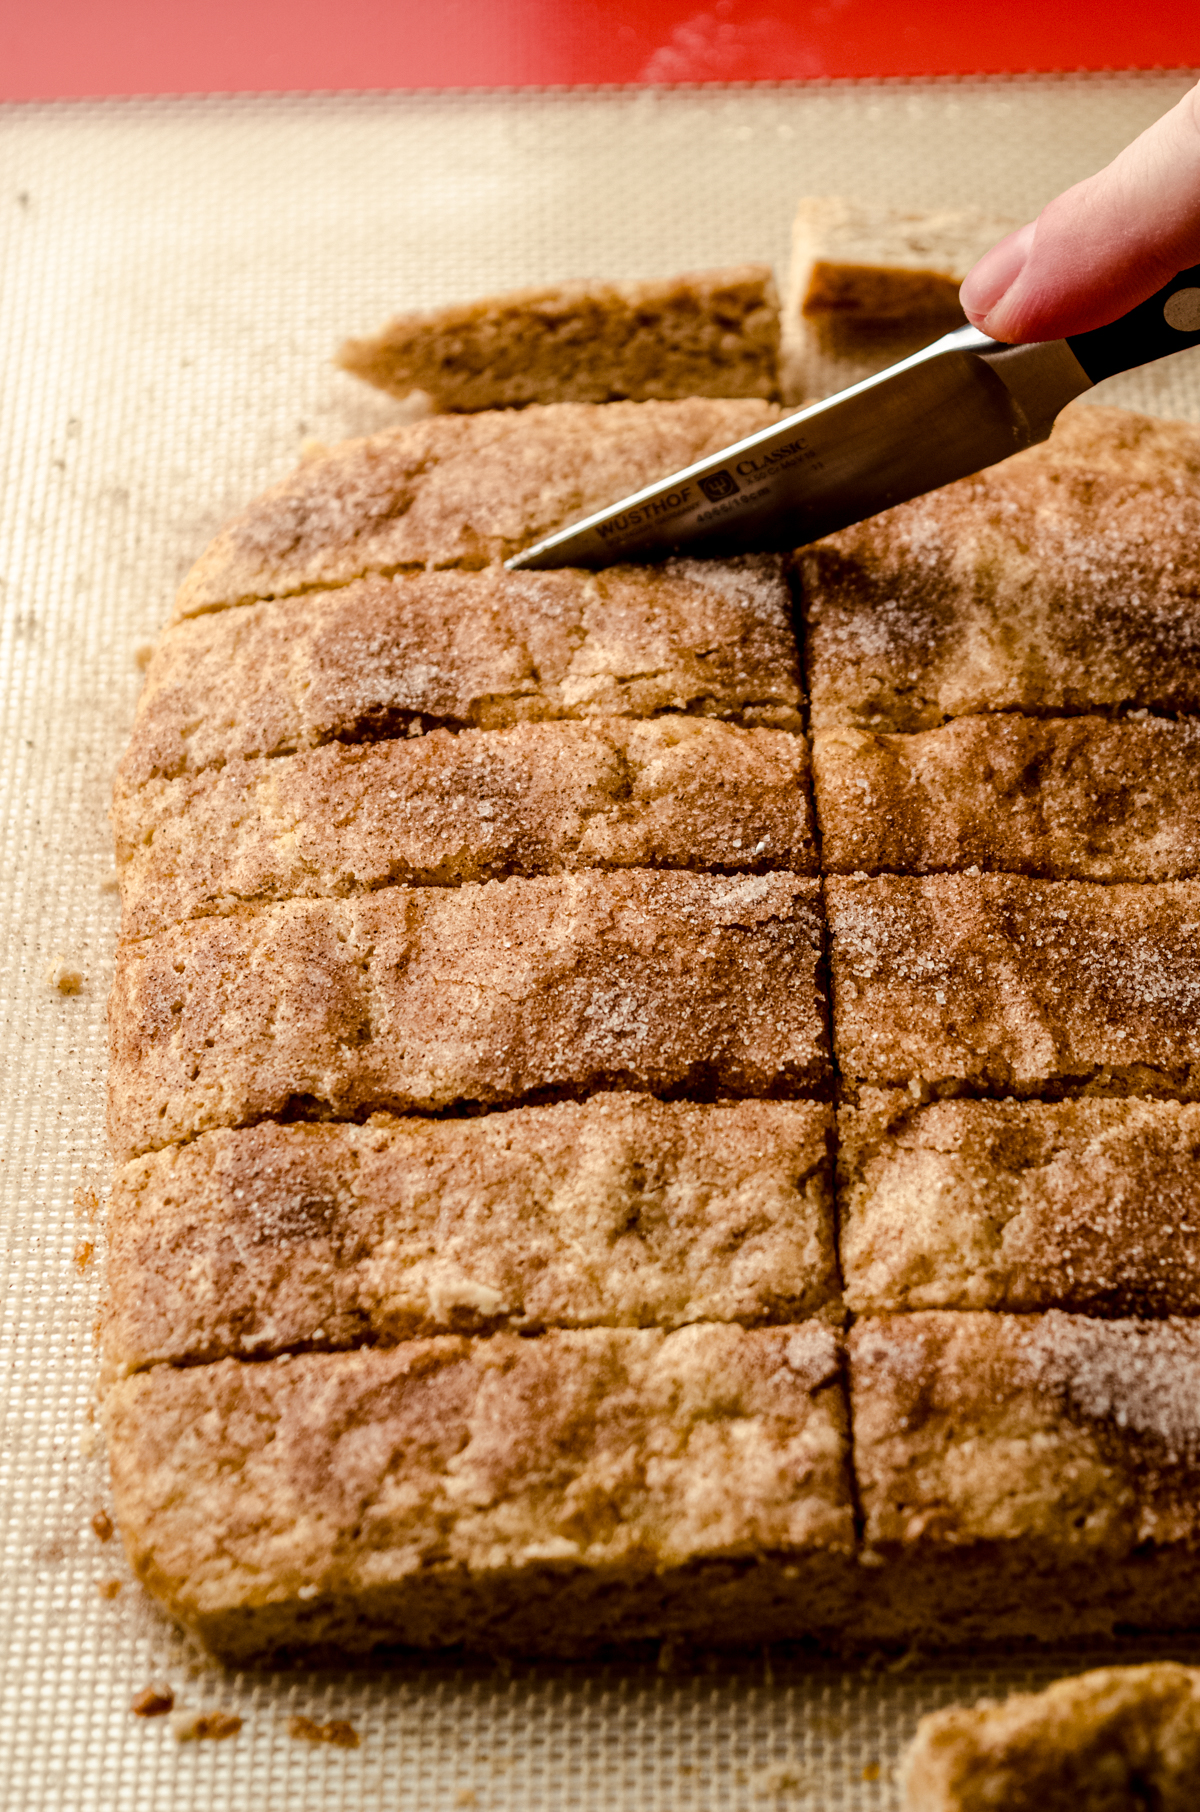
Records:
x=1167, y=322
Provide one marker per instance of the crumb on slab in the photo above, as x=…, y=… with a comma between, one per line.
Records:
x=86, y=1201
x=337, y=1731
x=102, y=1525
x=83, y=1254
x=65, y=977
x=143, y=654
x=108, y=1588
x=153, y=1702
x=198, y=1726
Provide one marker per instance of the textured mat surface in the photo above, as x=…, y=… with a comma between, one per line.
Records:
x=175, y=276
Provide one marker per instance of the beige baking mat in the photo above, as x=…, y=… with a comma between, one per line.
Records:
x=173, y=278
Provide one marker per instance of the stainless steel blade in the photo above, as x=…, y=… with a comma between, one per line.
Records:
x=962, y=403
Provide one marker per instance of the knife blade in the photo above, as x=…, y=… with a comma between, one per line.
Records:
x=961, y=404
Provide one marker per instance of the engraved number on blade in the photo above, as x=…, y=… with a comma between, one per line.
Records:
x=1182, y=310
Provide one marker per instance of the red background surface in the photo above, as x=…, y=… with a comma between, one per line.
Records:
x=51, y=48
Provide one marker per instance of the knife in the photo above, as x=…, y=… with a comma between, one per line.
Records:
x=953, y=408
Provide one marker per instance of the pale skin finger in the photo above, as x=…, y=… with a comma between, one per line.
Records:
x=1102, y=247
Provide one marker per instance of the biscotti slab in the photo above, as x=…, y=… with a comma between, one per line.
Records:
x=1027, y=1476
x=617, y=1211
x=1067, y=797
x=678, y=792
x=1092, y=1205
x=708, y=333
x=428, y=998
x=1113, y=1738
x=505, y=1494
x=884, y=265
x=488, y=649
x=454, y=490
x=999, y=982
x=1063, y=579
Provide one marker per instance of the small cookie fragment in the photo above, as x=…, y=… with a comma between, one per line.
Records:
x=709, y=333
x=338, y=1732
x=1115, y=1737
x=153, y=1702
x=204, y=1726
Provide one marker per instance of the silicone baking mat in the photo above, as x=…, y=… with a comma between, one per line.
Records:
x=173, y=278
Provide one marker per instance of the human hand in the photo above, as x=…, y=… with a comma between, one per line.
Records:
x=1102, y=247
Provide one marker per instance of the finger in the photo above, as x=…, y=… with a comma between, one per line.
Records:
x=1102, y=247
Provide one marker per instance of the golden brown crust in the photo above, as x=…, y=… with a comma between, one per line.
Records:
x=1114, y=1738
x=423, y=998
x=486, y=650
x=708, y=333
x=619, y=1211
x=438, y=810
x=454, y=490
x=436, y=1492
x=1092, y=1206
x=995, y=981
x=1068, y=798
x=1064, y=578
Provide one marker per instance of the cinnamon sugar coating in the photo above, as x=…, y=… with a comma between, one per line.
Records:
x=454, y=490
x=1064, y=578
x=1028, y=1475
x=1092, y=1206
x=484, y=649
x=500, y=1493
x=424, y=998
x=440, y=810
x=1068, y=798
x=708, y=333
x=996, y=981
x=1112, y=1738
x=618, y=1211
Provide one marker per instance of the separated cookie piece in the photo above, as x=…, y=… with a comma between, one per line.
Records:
x=431, y=998
x=501, y=1495
x=1090, y=1205
x=710, y=333
x=617, y=1211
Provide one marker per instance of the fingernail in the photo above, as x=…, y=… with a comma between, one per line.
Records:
x=994, y=275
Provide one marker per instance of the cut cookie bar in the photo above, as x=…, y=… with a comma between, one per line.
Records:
x=1074, y=797
x=884, y=265
x=1113, y=1738
x=1000, y=982
x=500, y=1494
x=454, y=490
x=1088, y=1205
x=677, y=792
x=709, y=333
x=386, y=657
x=1064, y=578
x=617, y=1211
x=1027, y=1476
x=424, y=998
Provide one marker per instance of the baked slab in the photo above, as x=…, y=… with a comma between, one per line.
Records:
x=427, y=998
x=1063, y=579
x=454, y=490
x=999, y=982
x=1116, y=1737
x=1085, y=798
x=440, y=810
x=1092, y=1206
x=618, y=1211
x=486, y=650
x=500, y=1493
x=1027, y=1476
x=709, y=333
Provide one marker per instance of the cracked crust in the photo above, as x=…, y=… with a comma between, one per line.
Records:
x=1092, y=1206
x=1113, y=1738
x=1027, y=1475
x=708, y=333
x=426, y=998
x=618, y=1211
x=454, y=490
x=1000, y=982
x=482, y=650
x=1066, y=798
x=1064, y=578
x=441, y=810
x=500, y=1493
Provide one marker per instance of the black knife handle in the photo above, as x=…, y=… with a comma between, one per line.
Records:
x=1167, y=322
